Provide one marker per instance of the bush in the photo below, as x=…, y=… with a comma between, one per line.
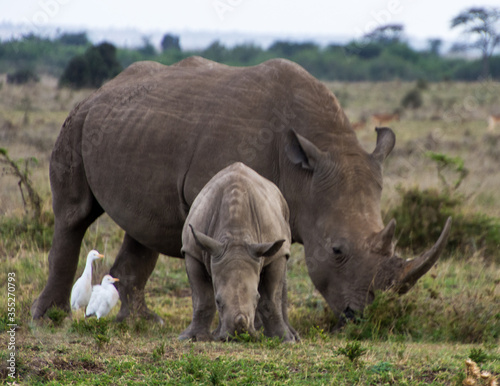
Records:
x=412, y=99
x=421, y=215
x=22, y=76
x=428, y=314
x=388, y=315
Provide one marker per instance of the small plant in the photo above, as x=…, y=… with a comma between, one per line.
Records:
x=270, y=343
x=352, y=351
x=217, y=372
x=140, y=325
x=244, y=337
x=101, y=340
x=315, y=332
x=56, y=315
x=98, y=328
x=478, y=355
x=159, y=351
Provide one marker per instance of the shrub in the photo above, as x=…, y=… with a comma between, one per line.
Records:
x=389, y=314
x=22, y=76
x=422, y=213
x=422, y=84
x=412, y=99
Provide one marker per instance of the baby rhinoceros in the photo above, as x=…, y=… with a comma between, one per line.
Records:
x=236, y=242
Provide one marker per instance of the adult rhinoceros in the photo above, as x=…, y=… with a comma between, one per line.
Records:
x=142, y=146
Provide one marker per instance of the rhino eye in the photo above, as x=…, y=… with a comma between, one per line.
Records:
x=337, y=251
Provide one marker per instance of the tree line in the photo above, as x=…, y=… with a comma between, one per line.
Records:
x=383, y=54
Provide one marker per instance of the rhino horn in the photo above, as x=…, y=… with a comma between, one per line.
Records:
x=386, y=139
x=212, y=246
x=382, y=242
x=416, y=268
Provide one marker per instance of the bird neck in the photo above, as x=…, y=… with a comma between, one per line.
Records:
x=88, y=269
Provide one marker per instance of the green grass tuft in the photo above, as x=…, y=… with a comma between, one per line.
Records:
x=352, y=351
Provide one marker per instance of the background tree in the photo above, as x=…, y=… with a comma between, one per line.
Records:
x=215, y=51
x=289, y=49
x=385, y=34
x=484, y=23
x=74, y=39
x=91, y=69
x=170, y=42
x=147, y=48
x=435, y=46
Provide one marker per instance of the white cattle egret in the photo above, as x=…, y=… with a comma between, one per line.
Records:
x=80, y=294
x=104, y=298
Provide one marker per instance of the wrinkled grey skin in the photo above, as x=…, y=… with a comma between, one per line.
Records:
x=143, y=146
x=236, y=241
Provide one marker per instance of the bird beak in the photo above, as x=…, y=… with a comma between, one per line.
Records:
x=116, y=279
x=101, y=256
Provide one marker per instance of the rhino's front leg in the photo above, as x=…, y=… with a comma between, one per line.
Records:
x=272, y=307
x=203, y=301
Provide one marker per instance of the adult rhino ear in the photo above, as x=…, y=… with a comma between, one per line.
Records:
x=208, y=244
x=265, y=249
x=386, y=139
x=301, y=151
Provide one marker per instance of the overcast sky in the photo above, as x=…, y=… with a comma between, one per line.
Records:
x=350, y=18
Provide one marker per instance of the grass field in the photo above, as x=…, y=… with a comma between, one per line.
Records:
x=422, y=338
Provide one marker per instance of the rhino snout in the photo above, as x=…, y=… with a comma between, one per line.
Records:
x=241, y=323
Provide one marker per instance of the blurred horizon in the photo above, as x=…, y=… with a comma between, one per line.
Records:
x=233, y=22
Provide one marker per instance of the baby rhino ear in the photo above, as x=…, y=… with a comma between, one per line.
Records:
x=212, y=246
x=265, y=249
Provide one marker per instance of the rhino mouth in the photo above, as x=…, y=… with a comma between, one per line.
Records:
x=348, y=315
x=237, y=336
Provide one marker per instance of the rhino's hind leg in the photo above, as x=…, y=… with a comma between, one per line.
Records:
x=133, y=266
x=63, y=256
x=203, y=302
x=63, y=262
